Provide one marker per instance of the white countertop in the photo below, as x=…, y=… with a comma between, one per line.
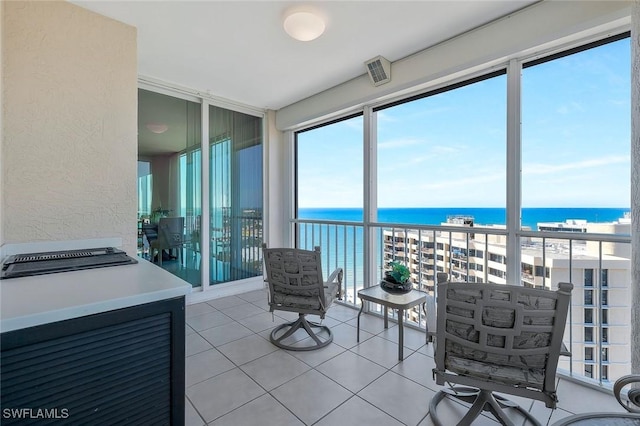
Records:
x=30, y=301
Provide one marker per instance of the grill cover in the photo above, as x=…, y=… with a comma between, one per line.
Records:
x=27, y=264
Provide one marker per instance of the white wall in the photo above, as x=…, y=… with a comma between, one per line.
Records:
x=277, y=182
x=528, y=30
x=69, y=146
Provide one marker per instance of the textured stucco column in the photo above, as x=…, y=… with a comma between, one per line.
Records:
x=69, y=148
x=635, y=186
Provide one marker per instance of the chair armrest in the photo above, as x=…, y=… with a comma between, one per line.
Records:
x=337, y=276
x=633, y=395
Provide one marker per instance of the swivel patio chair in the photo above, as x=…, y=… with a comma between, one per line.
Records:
x=502, y=338
x=630, y=401
x=430, y=305
x=296, y=285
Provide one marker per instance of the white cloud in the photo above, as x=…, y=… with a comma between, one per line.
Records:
x=542, y=169
x=469, y=181
x=442, y=149
x=383, y=117
x=570, y=108
x=399, y=143
x=355, y=124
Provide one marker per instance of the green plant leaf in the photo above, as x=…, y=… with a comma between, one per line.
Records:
x=399, y=272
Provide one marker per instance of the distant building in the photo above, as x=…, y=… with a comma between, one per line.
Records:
x=570, y=225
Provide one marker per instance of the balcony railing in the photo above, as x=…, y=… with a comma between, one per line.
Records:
x=597, y=264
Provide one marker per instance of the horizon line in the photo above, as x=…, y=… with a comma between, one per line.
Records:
x=468, y=207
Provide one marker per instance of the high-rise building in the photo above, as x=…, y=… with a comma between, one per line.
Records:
x=598, y=327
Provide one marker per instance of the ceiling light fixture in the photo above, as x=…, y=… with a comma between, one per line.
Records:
x=304, y=26
x=157, y=128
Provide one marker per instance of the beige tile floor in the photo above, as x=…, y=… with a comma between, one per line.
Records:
x=236, y=377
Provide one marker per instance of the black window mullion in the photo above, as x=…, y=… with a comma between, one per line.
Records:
x=578, y=49
x=442, y=89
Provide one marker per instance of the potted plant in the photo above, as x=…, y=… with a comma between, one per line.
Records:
x=158, y=213
x=397, y=278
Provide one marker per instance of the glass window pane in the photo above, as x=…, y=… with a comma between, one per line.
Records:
x=588, y=334
x=588, y=371
x=588, y=354
x=235, y=164
x=588, y=297
x=444, y=155
x=588, y=277
x=191, y=209
x=329, y=171
x=588, y=315
x=576, y=136
x=169, y=136
x=329, y=187
x=145, y=188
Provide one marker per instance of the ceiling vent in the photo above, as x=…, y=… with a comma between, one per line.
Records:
x=379, y=70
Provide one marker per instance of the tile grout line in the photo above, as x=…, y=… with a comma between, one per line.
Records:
x=339, y=322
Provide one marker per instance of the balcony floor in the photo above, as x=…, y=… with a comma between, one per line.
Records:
x=235, y=376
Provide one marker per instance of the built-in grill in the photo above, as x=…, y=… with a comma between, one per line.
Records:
x=27, y=264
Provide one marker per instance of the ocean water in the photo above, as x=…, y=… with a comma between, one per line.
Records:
x=481, y=215
x=342, y=246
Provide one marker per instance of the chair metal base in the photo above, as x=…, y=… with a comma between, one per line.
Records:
x=301, y=322
x=482, y=400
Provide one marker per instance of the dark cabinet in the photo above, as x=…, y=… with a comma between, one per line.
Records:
x=125, y=366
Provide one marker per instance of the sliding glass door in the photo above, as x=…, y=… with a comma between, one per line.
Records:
x=190, y=166
x=170, y=184
x=235, y=181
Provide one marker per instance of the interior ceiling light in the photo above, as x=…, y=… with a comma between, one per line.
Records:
x=157, y=127
x=304, y=26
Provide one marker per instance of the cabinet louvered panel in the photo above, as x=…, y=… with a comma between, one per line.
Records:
x=121, y=367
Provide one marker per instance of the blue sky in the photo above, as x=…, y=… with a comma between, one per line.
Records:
x=449, y=150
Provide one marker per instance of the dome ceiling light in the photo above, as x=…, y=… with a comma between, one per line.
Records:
x=304, y=26
x=157, y=128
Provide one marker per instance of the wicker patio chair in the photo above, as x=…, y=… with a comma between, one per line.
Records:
x=498, y=338
x=296, y=285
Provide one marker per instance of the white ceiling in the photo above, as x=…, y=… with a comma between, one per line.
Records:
x=238, y=50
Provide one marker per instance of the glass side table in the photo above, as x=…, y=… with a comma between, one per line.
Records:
x=399, y=301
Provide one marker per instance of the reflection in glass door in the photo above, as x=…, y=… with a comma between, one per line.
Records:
x=145, y=182
x=169, y=140
x=190, y=208
x=235, y=163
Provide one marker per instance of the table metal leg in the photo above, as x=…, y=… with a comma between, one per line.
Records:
x=386, y=317
x=359, y=312
x=400, y=333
